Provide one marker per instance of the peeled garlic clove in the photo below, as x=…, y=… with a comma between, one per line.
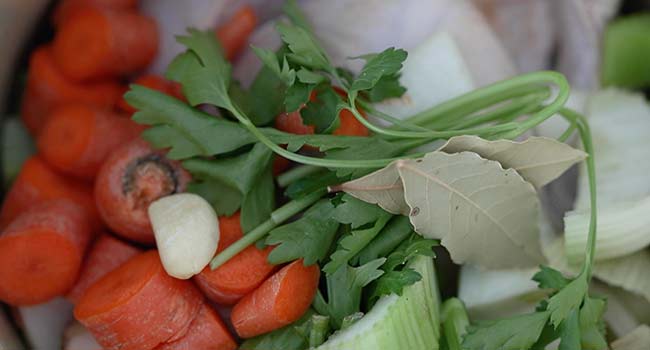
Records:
x=187, y=233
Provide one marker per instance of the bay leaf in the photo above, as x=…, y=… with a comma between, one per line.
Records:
x=382, y=187
x=484, y=214
x=539, y=160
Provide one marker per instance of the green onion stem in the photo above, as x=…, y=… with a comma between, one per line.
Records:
x=279, y=216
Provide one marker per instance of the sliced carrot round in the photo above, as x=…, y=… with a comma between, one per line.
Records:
x=130, y=179
x=279, y=301
x=36, y=183
x=138, y=306
x=67, y=8
x=233, y=35
x=207, y=332
x=47, y=88
x=41, y=252
x=77, y=138
x=96, y=43
x=106, y=254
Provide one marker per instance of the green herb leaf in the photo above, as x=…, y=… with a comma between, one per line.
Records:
x=309, y=237
x=570, y=332
x=259, y=203
x=188, y=131
x=386, y=87
x=224, y=199
x=344, y=288
x=270, y=60
x=297, y=96
x=291, y=337
x=305, y=50
x=312, y=183
x=409, y=249
x=241, y=172
x=296, y=16
x=351, y=244
x=567, y=299
x=549, y=278
x=356, y=212
x=592, y=327
x=393, y=282
x=396, y=231
x=181, y=64
x=519, y=332
x=387, y=63
x=208, y=69
x=323, y=111
x=309, y=77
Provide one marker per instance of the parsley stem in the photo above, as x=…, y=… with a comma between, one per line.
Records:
x=568, y=132
x=297, y=173
x=279, y=216
x=368, y=107
x=585, y=134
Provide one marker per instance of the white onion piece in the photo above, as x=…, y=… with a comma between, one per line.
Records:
x=187, y=233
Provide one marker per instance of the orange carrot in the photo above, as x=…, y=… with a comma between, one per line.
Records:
x=207, y=332
x=279, y=301
x=233, y=35
x=138, y=306
x=66, y=8
x=77, y=138
x=132, y=177
x=155, y=82
x=348, y=124
x=240, y=275
x=36, y=183
x=41, y=252
x=47, y=87
x=96, y=43
x=106, y=254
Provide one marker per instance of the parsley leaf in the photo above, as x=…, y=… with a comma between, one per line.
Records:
x=356, y=212
x=386, y=63
x=187, y=131
x=396, y=231
x=305, y=51
x=567, y=299
x=309, y=77
x=291, y=337
x=393, y=282
x=344, y=288
x=312, y=183
x=352, y=243
x=240, y=172
x=297, y=96
x=209, y=68
x=259, y=203
x=309, y=237
x=592, y=327
x=296, y=16
x=570, y=332
x=549, y=278
x=519, y=332
x=224, y=199
x=323, y=111
x=387, y=87
x=414, y=246
x=270, y=60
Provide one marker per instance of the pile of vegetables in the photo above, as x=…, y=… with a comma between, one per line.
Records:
x=304, y=210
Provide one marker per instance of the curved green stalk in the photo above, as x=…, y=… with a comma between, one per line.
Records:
x=297, y=173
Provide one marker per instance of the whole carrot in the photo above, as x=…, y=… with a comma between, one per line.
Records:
x=96, y=43
x=77, y=138
x=132, y=177
x=233, y=35
x=155, y=82
x=240, y=275
x=279, y=301
x=66, y=8
x=138, y=306
x=207, y=332
x=47, y=88
x=41, y=252
x=106, y=254
x=36, y=183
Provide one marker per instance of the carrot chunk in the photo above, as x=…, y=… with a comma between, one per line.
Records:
x=233, y=35
x=67, y=8
x=106, y=254
x=138, y=306
x=155, y=82
x=36, y=183
x=77, y=138
x=41, y=252
x=207, y=332
x=279, y=301
x=240, y=275
x=47, y=87
x=96, y=43
x=132, y=177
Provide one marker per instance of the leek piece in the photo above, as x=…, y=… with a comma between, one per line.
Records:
x=626, y=60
